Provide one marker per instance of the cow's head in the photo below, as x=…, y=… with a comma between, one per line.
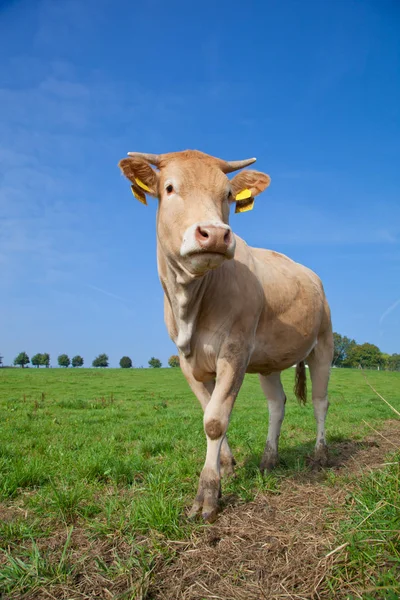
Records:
x=194, y=197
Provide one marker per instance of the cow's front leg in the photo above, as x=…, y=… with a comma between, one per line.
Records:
x=216, y=420
x=203, y=392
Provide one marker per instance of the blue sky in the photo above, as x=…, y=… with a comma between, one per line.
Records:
x=312, y=89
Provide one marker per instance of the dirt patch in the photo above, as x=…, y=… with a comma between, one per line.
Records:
x=13, y=511
x=7, y=513
x=268, y=548
x=370, y=452
x=278, y=546
x=352, y=456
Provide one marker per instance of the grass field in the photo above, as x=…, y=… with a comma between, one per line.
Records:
x=97, y=469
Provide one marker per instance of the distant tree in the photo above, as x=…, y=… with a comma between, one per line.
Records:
x=22, y=359
x=63, y=360
x=393, y=363
x=173, y=361
x=45, y=360
x=155, y=363
x=125, y=362
x=385, y=361
x=100, y=361
x=367, y=356
x=342, y=346
x=37, y=360
x=77, y=361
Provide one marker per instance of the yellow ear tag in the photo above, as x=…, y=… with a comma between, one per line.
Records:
x=244, y=206
x=142, y=185
x=243, y=195
x=244, y=201
x=138, y=195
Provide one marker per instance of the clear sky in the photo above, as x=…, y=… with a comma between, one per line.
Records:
x=311, y=88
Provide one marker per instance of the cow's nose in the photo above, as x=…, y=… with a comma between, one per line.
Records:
x=213, y=238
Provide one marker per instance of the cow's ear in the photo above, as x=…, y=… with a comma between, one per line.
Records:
x=245, y=186
x=143, y=178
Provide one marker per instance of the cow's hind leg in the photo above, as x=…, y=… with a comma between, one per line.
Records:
x=227, y=462
x=273, y=390
x=203, y=393
x=319, y=362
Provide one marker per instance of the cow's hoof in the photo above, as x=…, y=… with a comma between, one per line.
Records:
x=267, y=467
x=320, y=460
x=210, y=516
x=206, y=501
x=269, y=461
x=194, y=512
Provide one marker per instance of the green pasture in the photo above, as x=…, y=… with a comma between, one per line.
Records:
x=117, y=453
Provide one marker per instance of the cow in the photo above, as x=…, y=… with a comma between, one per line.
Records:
x=231, y=309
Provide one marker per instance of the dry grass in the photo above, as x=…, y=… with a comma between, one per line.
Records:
x=278, y=546
x=271, y=548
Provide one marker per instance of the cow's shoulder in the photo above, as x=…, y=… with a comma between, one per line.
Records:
x=275, y=265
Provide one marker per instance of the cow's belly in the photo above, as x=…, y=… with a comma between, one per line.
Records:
x=268, y=359
x=279, y=345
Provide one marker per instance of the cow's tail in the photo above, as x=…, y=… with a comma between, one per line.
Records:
x=300, y=384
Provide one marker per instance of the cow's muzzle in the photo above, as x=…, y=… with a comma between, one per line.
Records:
x=212, y=238
x=208, y=238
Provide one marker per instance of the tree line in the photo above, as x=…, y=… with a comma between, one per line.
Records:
x=349, y=354
x=63, y=360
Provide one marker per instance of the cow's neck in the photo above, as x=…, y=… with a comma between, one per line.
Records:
x=185, y=295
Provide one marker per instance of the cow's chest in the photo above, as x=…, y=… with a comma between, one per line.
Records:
x=205, y=348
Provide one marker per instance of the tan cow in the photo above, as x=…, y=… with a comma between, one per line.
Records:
x=231, y=309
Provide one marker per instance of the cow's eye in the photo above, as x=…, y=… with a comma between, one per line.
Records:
x=229, y=194
x=169, y=188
